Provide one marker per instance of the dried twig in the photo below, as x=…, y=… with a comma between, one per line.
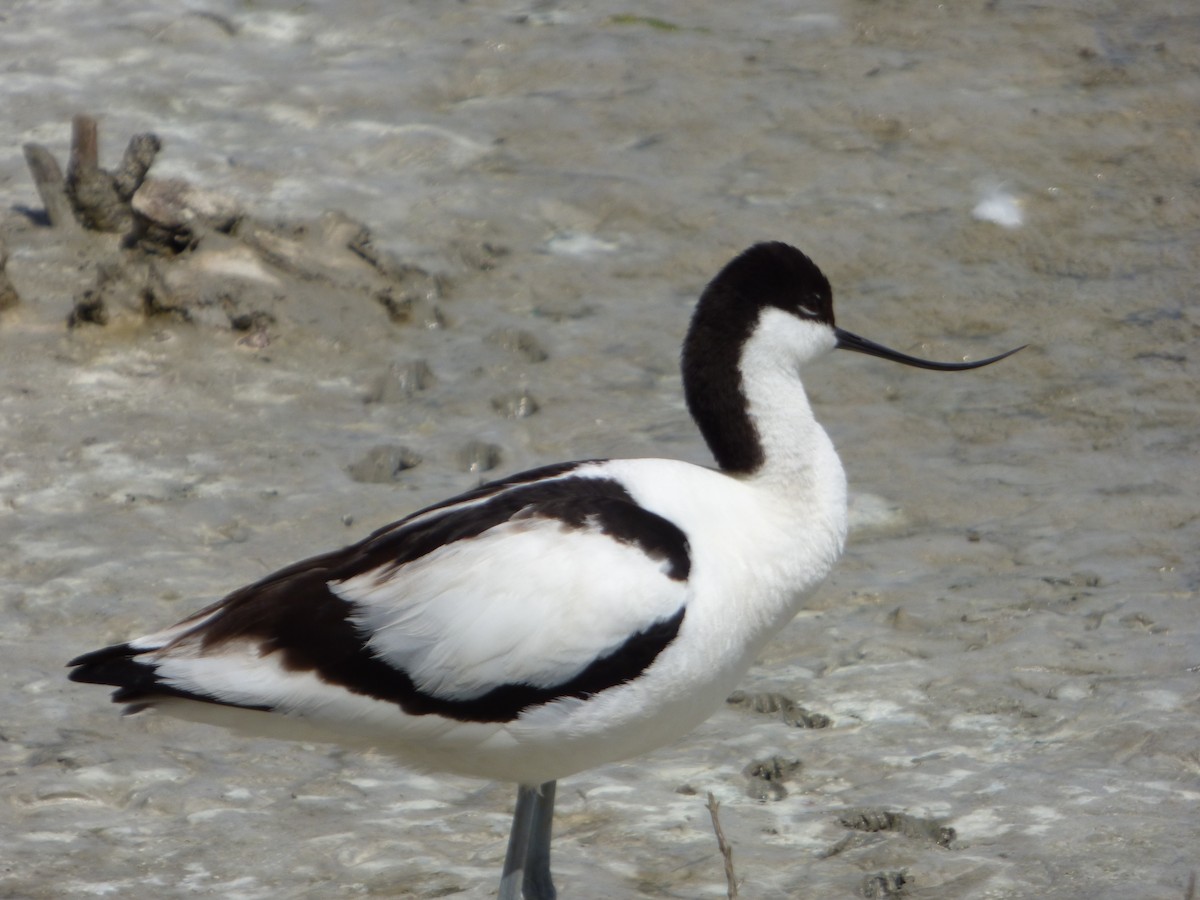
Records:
x=723, y=846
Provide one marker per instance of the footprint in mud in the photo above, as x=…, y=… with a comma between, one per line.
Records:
x=870, y=819
x=873, y=820
x=765, y=777
x=781, y=706
x=879, y=885
x=384, y=464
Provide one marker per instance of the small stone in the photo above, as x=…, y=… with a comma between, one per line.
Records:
x=255, y=320
x=479, y=456
x=765, y=777
x=383, y=464
x=515, y=405
x=234, y=532
x=484, y=256
x=517, y=341
x=174, y=204
x=410, y=308
x=883, y=884
x=400, y=382
x=339, y=230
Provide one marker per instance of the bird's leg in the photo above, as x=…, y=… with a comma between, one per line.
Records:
x=527, y=861
x=538, y=884
x=512, y=879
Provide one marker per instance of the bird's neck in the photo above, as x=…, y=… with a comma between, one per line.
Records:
x=749, y=403
x=799, y=491
x=797, y=457
x=756, y=419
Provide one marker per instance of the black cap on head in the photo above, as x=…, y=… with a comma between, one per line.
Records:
x=779, y=275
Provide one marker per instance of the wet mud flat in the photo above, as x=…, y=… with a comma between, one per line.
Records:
x=489, y=265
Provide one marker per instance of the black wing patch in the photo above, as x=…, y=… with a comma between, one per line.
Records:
x=576, y=502
x=294, y=613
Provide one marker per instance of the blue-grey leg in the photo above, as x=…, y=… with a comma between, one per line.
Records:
x=513, y=877
x=538, y=884
x=527, y=861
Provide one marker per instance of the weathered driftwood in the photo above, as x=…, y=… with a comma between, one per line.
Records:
x=192, y=254
x=93, y=197
x=138, y=158
x=91, y=190
x=101, y=199
x=170, y=215
x=48, y=179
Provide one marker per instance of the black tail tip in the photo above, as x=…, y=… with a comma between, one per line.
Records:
x=115, y=665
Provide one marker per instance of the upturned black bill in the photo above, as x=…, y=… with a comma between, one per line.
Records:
x=849, y=341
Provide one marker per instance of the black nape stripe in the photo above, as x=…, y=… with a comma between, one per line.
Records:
x=767, y=275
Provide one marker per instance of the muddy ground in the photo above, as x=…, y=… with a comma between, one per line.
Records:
x=468, y=239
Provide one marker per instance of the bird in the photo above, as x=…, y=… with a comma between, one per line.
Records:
x=557, y=619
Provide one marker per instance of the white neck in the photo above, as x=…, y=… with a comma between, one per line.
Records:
x=799, y=460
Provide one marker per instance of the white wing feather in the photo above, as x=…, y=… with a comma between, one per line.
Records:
x=529, y=601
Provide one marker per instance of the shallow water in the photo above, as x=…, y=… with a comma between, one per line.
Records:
x=1009, y=647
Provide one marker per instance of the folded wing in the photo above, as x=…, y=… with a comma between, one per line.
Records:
x=546, y=586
